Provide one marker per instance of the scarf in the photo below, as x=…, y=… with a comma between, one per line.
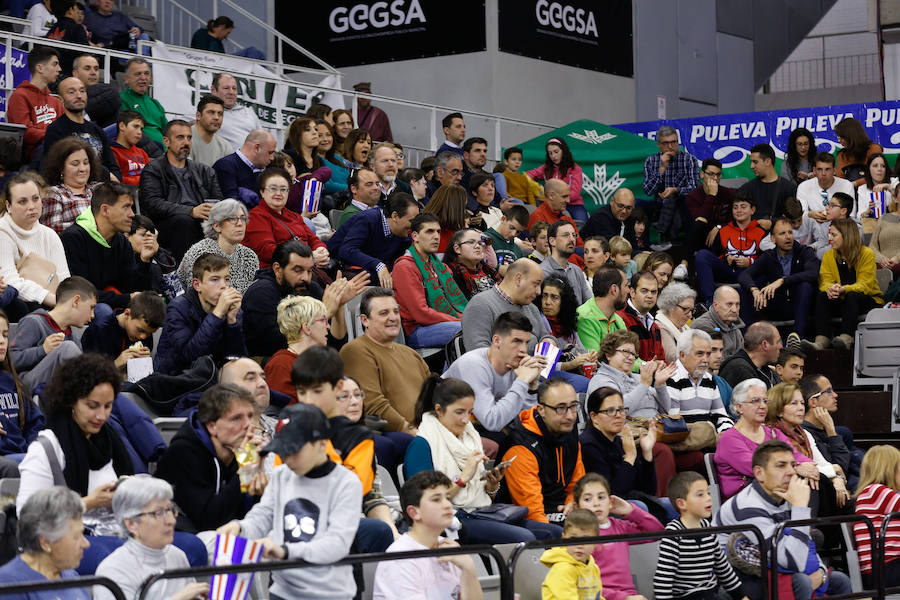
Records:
x=85, y=454
x=441, y=290
x=556, y=327
x=449, y=455
x=474, y=280
x=797, y=435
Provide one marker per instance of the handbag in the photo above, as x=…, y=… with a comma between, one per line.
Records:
x=504, y=513
x=854, y=172
x=39, y=270
x=669, y=430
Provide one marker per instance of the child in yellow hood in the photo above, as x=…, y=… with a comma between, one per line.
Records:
x=573, y=573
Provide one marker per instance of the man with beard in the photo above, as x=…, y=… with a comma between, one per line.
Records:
x=291, y=273
x=639, y=319
x=597, y=317
x=178, y=193
x=208, y=146
x=561, y=236
x=384, y=162
x=694, y=395
x=73, y=123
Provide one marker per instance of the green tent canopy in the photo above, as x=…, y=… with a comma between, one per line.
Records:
x=610, y=158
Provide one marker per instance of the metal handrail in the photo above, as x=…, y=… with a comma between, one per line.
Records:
x=19, y=22
x=281, y=565
x=819, y=521
x=881, y=561
x=22, y=588
x=644, y=535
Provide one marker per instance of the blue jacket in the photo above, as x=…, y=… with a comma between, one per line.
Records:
x=190, y=332
x=188, y=403
x=137, y=431
x=446, y=148
x=17, y=437
x=105, y=28
x=360, y=242
x=237, y=180
x=339, y=174
x=767, y=268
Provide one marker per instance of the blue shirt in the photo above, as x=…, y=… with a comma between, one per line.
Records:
x=785, y=262
x=17, y=571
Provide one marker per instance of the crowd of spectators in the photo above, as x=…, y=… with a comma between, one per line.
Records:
x=592, y=370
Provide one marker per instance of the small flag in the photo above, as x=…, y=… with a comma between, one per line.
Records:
x=233, y=550
x=878, y=199
x=312, y=191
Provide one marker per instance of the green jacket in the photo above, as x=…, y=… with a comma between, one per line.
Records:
x=152, y=111
x=351, y=210
x=593, y=325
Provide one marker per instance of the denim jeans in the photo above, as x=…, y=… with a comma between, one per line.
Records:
x=432, y=336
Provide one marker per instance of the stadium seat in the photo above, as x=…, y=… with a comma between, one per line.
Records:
x=715, y=492
x=9, y=486
x=168, y=427
x=454, y=349
x=876, y=353
x=852, y=556
x=643, y=565
x=333, y=216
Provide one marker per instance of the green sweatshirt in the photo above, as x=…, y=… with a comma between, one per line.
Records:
x=152, y=111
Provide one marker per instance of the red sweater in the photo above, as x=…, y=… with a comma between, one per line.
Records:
x=35, y=109
x=545, y=214
x=131, y=162
x=875, y=501
x=267, y=229
x=410, y=293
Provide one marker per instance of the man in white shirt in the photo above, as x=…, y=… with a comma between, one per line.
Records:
x=238, y=120
x=814, y=194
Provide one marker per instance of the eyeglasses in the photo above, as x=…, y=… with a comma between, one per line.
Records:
x=713, y=175
x=829, y=391
x=280, y=190
x=237, y=220
x=161, y=514
x=625, y=207
x=667, y=143
x=614, y=411
x=562, y=409
x=567, y=235
x=686, y=309
x=344, y=396
x=762, y=400
x=479, y=242
x=627, y=352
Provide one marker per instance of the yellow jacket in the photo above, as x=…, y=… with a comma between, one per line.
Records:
x=865, y=274
x=570, y=579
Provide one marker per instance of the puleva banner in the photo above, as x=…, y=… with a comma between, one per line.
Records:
x=176, y=86
x=730, y=137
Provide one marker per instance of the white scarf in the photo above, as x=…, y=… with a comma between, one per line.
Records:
x=449, y=455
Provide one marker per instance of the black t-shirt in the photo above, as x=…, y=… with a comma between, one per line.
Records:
x=770, y=197
x=88, y=131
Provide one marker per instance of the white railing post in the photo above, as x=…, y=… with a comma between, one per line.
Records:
x=434, y=139
x=8, y=77
x=497, y=140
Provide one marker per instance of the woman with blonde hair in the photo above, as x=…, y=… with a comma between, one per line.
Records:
x=303, y=321
x=847, y=285
x=878, y=495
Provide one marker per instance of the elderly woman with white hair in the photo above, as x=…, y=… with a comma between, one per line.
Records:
x=304, y=323
x=734, y=452
x=143, y=506
x=51, y=541
x=224, y=230
x=676, y=306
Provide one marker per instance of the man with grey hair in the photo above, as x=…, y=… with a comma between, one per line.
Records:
x=239, y=119
x=669, y=176
x=448, y=168
x=762, y=343
x=694, y=395
x=136, y=97
x=237, y=172
x=384, y=163
x=725, y=318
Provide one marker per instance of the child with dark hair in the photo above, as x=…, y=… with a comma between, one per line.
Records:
x=692, y=567
x=163, y=275
x=130, y=158
x=128, y=334
x=425, y=498
x=573, y=572
x=641, y=231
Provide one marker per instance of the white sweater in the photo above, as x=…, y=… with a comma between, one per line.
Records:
x=16, y=242
x=132, y=563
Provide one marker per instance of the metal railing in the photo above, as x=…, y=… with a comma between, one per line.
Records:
x=22, y=589
x=823, y=73
x=877, y=590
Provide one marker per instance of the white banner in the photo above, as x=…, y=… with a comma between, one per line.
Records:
x=176, y=86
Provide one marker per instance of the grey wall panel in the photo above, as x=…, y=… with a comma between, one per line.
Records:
x=735, y=17
x=655, y=57
x=735, y=57
x=697, y=65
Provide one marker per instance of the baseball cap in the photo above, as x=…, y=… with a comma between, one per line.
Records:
x=299, y=424
x=363, y=86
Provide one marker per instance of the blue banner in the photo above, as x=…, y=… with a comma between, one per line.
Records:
x=20, y=73
x=730, y=137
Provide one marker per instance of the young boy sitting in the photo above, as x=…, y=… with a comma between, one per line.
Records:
x=790, y=365
x=310, y=510
x=44, y=339
x=129, y=157
x=692, y=568
x=425, y=498
x=620, y=253
x=206, y=319
x=519, y=185
x=573, y=572
x=503, y=236
x=117, y=335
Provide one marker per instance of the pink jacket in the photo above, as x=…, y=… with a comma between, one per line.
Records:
x=575, y=179
x=734, y=458
x=616, y=568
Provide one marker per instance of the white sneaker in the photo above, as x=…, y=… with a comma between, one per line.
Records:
x=680, y=273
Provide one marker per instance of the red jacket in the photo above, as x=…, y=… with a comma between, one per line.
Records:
x=410, y=293
x=650, y=341
x=131, y=162
x=734, y=241
x=35, y=109
x=267, y=229
x=543, y=213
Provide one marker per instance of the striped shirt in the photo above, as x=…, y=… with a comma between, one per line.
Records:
x=690, y=565
x=876, y=501
x=698, y=401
